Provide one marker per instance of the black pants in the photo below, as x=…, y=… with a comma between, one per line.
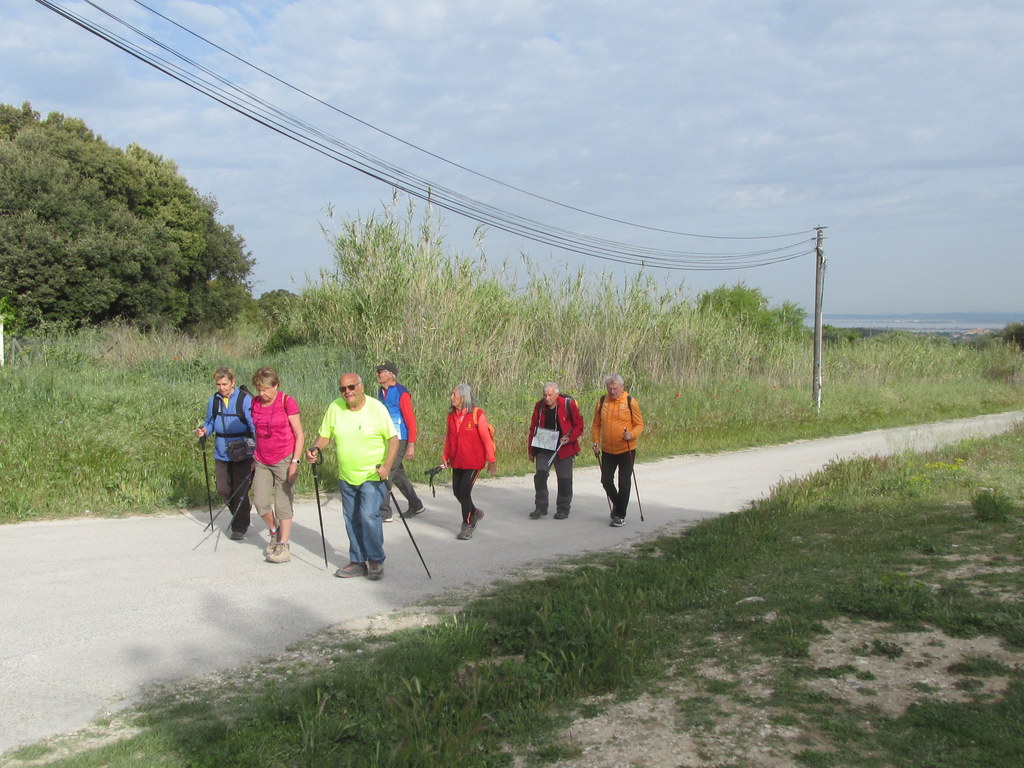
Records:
x=623, y=463
x=563, y=473
x=462, y=487
x=233, y=480
x=400, y=480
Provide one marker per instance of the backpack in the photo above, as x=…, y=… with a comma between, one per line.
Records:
x=239, y=411
x=476, y=422
x=629, y=403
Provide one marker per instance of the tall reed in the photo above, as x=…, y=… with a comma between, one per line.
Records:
x=103, y=419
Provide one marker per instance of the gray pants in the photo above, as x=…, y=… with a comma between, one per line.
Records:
x=400, y=480
x=563, y=473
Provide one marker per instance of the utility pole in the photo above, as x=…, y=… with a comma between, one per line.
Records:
x=819, y=292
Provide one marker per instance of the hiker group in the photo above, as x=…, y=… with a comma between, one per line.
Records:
x=259, y=443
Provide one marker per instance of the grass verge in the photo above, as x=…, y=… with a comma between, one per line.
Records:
x=868, y=615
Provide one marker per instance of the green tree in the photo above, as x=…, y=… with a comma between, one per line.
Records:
x=1014, y=334
x=91, y=233
x=750, y=307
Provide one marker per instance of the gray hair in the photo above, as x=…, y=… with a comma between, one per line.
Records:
x=466, y=394
x=614, y=378
x=550, y=385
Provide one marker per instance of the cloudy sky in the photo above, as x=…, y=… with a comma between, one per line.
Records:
x=898, y=126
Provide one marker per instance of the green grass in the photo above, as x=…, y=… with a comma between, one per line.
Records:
x=879, y=545
x=101, y=422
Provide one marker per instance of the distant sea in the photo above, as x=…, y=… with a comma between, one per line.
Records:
x=946, y=323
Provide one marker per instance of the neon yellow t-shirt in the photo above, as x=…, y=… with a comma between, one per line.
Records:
x=360, y=438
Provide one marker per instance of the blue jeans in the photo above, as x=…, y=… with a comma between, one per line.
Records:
x=361, y=507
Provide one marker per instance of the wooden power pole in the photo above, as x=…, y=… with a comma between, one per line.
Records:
x=819, y=292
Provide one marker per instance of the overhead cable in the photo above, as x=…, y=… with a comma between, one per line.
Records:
x=244, y=102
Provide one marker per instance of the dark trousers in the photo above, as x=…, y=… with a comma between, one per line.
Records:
x=400, y=480
x=623, y=464
x=462, y=487
x=563, y=473
x=233, y=480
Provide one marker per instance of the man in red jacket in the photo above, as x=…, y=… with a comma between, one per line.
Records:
x=553, y=440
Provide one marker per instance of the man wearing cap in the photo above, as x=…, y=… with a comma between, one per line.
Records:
x=398, y=401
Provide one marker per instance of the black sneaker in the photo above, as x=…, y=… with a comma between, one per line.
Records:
x=387, y=517
x=418, y=511
x=618, y=522
x=237, y=535
x=537, y=514
x=561, y=515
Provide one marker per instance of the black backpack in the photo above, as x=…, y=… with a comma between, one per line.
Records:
x=239, y=412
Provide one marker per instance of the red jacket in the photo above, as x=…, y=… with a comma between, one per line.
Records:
x=468, y=443
x=570, y=424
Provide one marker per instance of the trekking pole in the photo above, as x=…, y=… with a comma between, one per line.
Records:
x=430, y=473
x=552, y=460
x=408, y=529
x=607, y=496
x=632, y=472
x=243, y=487
x=319, y=512
x=387, y=484
x=206, y=471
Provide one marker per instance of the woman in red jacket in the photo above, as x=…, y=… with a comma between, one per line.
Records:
x=468, y=446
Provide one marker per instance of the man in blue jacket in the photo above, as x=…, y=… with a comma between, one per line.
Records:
x=229, y=417
x=553, y=440
x=398, y=401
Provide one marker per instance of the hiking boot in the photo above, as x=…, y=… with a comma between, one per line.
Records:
x=237, y=535
x=352, y=570
x=618, y=522
x=281, y=553
x=537, y=514
x=418, y=511
x=560, y=515
x=466, y=532
x=269, y=549
x=375, y=569
x=476, y=517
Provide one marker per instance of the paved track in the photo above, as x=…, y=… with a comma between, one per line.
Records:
x=95, y=609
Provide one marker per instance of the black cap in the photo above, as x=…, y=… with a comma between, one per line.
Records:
x=388, y=366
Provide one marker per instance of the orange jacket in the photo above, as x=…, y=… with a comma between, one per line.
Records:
x=611, y=417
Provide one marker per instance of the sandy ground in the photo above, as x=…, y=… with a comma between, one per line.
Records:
x=96, y=609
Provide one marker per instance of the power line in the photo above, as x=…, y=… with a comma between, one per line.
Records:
x=436, y=156
x=229, y=94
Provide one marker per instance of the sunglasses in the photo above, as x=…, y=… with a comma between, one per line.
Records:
x=348, y=387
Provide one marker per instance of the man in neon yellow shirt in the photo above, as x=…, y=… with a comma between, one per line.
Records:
x=366, y=443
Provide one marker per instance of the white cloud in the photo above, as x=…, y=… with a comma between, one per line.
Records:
x=887, y=122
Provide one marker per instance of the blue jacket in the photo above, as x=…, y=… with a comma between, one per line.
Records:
x=391, y=400
x=224, y=422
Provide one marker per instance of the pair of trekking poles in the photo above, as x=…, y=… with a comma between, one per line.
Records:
x=632, y=472
x=319, y=509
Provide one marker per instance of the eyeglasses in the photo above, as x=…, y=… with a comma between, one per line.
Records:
x=348, y=387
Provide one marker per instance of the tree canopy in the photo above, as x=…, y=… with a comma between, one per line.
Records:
x=750, y=307
x=91, y=233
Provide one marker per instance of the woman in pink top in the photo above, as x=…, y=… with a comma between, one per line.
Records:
x=279, y=439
